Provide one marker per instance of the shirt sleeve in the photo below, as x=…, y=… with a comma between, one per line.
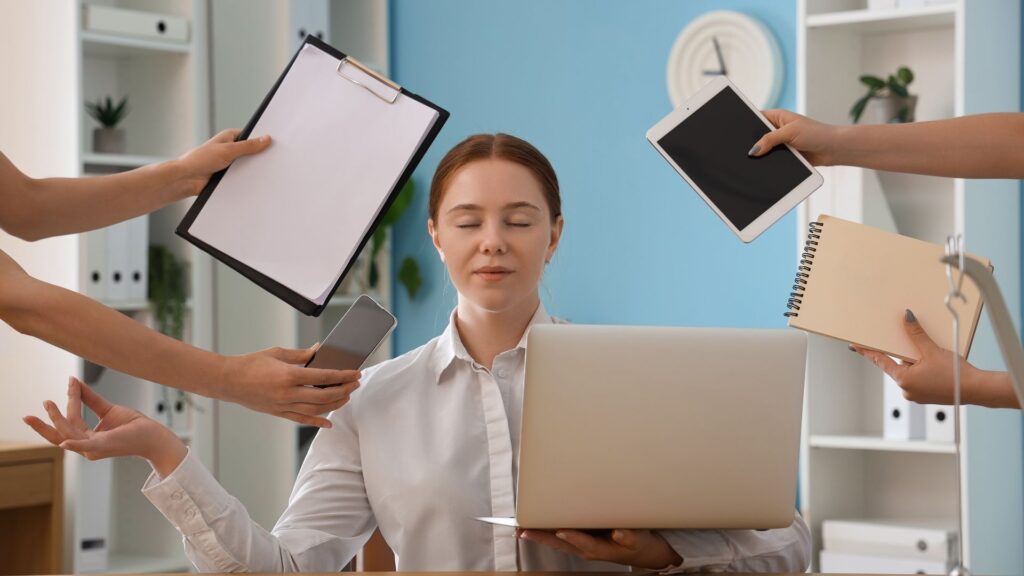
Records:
x=778, y=550
x=327, y=521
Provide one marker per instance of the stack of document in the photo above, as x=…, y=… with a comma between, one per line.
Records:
x=886, y=547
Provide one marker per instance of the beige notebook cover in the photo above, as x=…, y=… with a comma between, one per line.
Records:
x=856, y=282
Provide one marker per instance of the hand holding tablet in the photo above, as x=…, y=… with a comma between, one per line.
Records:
x=707, y=140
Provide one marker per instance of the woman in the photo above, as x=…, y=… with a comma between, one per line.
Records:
x=984, y=146
x=32, y=209
x=431, y=439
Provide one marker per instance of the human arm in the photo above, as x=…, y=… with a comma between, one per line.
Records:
x=270, y=381
x=32, y=208
x=330, y=516
x=778, y=550
x=930, y=380
x=977, y=146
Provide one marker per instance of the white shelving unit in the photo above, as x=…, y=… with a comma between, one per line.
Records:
x=258, y=458
x=848, y=470
x=167, y=87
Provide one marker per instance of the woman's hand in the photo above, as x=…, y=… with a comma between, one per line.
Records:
x=817, y=141
x=121, y=431
x=930, y=379
x=197, y=165
x=640, y=548
x=274, y=381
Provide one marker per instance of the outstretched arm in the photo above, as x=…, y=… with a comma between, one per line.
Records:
x=978, y=146
x=39, y=208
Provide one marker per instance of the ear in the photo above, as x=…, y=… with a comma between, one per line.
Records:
x=556, y=236
x=432, y=230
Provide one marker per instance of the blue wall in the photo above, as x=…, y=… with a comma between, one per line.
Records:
x=583, y=80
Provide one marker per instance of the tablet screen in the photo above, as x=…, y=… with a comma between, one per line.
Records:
x=711, y=147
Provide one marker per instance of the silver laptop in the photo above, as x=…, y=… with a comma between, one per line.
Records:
x=637, y=427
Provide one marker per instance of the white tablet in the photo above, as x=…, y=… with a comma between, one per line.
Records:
x=707, y=139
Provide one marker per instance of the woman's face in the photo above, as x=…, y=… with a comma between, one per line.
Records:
x=494, y=233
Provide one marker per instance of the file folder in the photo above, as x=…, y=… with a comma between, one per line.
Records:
x=294, y=218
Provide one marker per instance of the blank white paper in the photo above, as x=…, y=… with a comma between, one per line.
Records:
x=298, y=211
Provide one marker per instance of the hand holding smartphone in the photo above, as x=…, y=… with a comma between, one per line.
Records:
x=354, y=338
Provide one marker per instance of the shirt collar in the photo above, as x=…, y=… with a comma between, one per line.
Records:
x=449, y=344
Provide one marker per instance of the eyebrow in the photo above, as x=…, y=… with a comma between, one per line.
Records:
x=509, y=206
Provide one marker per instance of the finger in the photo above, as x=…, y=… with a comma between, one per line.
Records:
x=226, y=135
x=98, y=404
x=883, y=361
x=317, y=409
x=771, y=140
x=88, y=447
x=75, y=405
x=290, y=355
x=249, y=146
x=626, y=538
x=44, y=430
x=59, y=422
x=324, y=377
x=321, y=396
x=777, y=116
x=581, y=541
x=917, y=335
x=307, y=420
x=550, y=540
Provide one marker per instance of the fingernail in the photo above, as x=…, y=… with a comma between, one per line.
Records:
x=560, y=535
x=851, y=348
x=909, y=316
x=618, y=535
x=754, y=150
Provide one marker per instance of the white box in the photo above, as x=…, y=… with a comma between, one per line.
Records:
x=138, y=258
x=92, y=516
x=136, y=23
x=902, y=539
x=844, y=563
x=904, y=420
x=939, y=423
x=93, y=276
x=118, y=239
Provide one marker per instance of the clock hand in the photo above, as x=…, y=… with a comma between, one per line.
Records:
x=718, y=52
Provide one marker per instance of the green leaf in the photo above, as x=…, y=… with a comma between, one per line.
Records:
x=903, y=116
x=872, y=82
x=896, y=88
x=858, y=107
x=905, y=75
x=410, y=277
x=167, y=290
x=400, y=205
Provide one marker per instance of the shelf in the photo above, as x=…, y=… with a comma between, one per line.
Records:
x=880, y=444
x=132, y=564
x=99, y=44
x=118, y=162
x=874, y=21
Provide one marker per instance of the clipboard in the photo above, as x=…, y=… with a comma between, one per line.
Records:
x=279, y=227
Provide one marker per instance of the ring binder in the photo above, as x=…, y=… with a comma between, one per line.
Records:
x=803, y=271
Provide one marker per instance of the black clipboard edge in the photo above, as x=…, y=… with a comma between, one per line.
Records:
x=291, y=297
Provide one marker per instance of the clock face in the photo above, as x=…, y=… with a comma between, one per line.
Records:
x=726, y=42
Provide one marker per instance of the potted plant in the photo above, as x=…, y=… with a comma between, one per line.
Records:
x=887, y=100
x=365, y=274
x=108, y=138
x=167, y=291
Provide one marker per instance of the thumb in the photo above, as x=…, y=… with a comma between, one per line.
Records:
x=916, y=332
x=290, y=355
x=251, y=146
x=770, y=141
x=625, y=538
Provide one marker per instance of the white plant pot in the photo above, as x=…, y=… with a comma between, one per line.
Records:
x=108, y=140
x=886, y=109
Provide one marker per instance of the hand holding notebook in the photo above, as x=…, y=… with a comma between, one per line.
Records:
x=855, y=283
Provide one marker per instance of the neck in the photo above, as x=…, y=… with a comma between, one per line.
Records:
x=485, y=333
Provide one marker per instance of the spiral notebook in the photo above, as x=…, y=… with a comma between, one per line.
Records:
x=855, y=282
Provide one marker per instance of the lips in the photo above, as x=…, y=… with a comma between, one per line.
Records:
x=493, y=273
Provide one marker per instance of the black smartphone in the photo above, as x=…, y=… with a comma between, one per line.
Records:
x=354, y=338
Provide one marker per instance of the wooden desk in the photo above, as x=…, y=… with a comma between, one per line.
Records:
x=31, y=508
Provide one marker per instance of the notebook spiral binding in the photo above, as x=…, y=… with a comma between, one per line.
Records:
x=803, y=271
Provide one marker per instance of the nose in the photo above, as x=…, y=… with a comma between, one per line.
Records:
x=493, y=241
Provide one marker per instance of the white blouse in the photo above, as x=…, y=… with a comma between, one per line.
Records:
x=428, y=443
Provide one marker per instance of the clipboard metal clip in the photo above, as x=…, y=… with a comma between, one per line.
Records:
x=390, y=99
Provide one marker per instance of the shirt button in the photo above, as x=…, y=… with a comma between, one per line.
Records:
x=190, y=513
x=502, y=373
x=176, y=495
